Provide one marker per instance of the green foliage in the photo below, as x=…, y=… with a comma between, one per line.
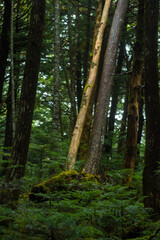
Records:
x=84, y=210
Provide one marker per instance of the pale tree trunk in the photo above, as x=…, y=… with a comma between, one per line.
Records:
x=88, y=91
x=135, y=89
x=56, y=73
x=88, y=122
x=99, y=124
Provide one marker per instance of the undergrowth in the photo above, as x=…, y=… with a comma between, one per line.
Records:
x=92, y=210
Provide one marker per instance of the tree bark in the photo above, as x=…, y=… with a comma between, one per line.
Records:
x=115, y=93
x=86, y=53
x=12, y=69
x=135, y=89
x=28, y=93
x=56, y=73
x=83, y=148
x=4, y=47
x=88, y=91
x=140, y=123
x=99, y=124
x=121, y=140
x=151, y=178
x=73, y=76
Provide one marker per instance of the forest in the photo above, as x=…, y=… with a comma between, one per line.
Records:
x=79, y=120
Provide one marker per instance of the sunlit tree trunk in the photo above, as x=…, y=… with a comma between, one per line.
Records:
x=151, y=178
x=88, y=122
x=4, y=46
x=88, y=91
x=135, y=89
x=28, y=93
x=99, y=124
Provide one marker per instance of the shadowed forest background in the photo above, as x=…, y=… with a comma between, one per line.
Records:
x=79, y=120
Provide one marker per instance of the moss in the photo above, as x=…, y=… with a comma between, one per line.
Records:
x=60, y=182
x=90, y=177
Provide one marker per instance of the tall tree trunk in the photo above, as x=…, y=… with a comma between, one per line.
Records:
x=88, y=122
x=78, y=59
x=121, y=141
x=88, y=91
x=99, y=124
x=8, y=133
x=56, y=80
x=72, y=57
x=4, y=46
x=140, y=124
x=115, y=93
x=86, y=53
x=28, y=93
x=12, y=70
x=151, y=179
x=135, y=89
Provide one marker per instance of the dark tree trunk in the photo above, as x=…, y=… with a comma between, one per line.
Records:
x=4, y=44
x=56, y=80
x=28, y=93
x=151, y=179
x=8, y=133
x=99, y=125
x=121, y=140
x=140, y=123
x=135, y=90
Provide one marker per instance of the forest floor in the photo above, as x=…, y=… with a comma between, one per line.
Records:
x=74, y=206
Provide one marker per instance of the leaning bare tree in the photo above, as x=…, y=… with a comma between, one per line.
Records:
x=88, y=90
x=99, y=124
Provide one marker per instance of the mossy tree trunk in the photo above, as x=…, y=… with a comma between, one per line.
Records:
x=151, y=178
x=99, y=124
x=88, y=91
x=135, y=89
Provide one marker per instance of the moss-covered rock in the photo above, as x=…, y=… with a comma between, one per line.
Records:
x=62, y=181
